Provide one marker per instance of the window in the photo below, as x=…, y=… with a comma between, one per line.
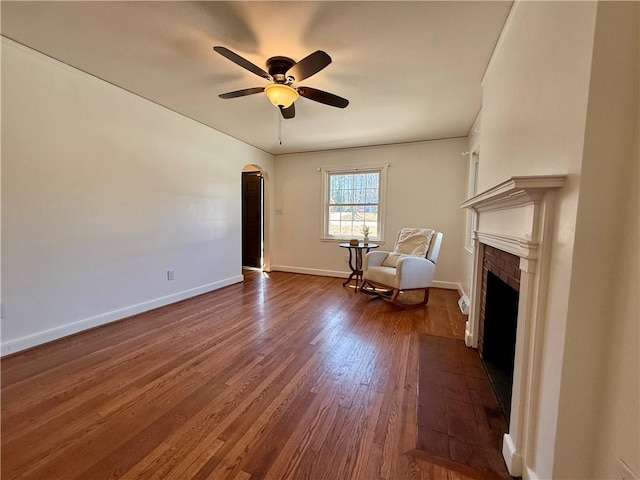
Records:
x=472, y=190
x=353, y=197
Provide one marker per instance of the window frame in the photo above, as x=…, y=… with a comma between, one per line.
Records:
x=382, y=198
x=472, y=190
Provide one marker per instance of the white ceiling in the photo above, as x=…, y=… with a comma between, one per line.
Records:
x=411, y=70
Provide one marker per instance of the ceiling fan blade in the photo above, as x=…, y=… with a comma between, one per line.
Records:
x=309, y=65
x=242, y=93
x=243, y=62
x=323, y=97
x=288, y=112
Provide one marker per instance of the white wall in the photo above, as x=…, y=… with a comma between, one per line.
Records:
x=561, y=96
x=102, y=193
x=601, y=352
x=533, y=115
x=619, y=419
x=426, y=182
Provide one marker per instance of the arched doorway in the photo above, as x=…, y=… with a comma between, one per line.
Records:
x=253, y=216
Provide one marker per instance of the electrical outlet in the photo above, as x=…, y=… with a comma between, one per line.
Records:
x=169, y=274
x=624, y=471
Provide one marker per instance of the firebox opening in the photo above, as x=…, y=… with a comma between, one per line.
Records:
x=498, y=354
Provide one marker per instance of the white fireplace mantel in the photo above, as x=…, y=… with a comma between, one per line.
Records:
x=511, y=191
x=516, y=216
x=508, y=215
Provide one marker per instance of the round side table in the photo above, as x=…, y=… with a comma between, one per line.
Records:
x=355, y=259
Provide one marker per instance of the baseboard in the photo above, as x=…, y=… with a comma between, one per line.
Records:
x=446, y=285
x=309, y=271
x=529, y=475
x=45, y=336
x=338, y=274
x=511, y=457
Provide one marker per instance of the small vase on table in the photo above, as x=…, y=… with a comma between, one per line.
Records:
x=365, y=232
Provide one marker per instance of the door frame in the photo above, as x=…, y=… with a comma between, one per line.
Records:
x=266, y=218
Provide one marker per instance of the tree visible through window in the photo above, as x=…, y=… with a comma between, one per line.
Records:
x=353, y=202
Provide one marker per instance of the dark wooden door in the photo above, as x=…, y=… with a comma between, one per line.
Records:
x=252, y=193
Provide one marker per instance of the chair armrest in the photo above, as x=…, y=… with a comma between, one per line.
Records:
x=373, y=259
x=415, y=272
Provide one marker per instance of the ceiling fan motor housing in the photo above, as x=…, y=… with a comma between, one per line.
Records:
x=278, y=67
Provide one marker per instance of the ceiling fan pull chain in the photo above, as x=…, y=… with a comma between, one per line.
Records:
x=279, y=128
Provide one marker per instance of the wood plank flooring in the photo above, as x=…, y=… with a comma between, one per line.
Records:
x=283, y=376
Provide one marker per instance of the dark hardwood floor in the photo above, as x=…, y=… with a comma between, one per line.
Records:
x=281, y=376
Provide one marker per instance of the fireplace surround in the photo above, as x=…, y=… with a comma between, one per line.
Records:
x=516, y=216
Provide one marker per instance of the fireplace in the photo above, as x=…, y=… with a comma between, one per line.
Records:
x=511, y=247
x=498, y=321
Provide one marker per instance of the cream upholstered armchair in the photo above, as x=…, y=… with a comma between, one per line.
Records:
x=410, y=267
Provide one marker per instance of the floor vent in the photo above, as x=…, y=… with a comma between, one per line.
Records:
x=463, y=303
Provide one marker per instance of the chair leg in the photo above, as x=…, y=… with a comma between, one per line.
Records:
x=426, y=296
x=394, y=296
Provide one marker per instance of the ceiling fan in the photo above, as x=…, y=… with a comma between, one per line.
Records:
x=282, y=72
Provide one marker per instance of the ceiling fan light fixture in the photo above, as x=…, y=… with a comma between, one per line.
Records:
x=281, y=95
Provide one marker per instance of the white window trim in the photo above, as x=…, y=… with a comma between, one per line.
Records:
x=472, y=187
x=382, y=204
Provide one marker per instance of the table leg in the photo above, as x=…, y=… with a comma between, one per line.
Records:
x=346, y=282
x=358, y=266
x=353, y=270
